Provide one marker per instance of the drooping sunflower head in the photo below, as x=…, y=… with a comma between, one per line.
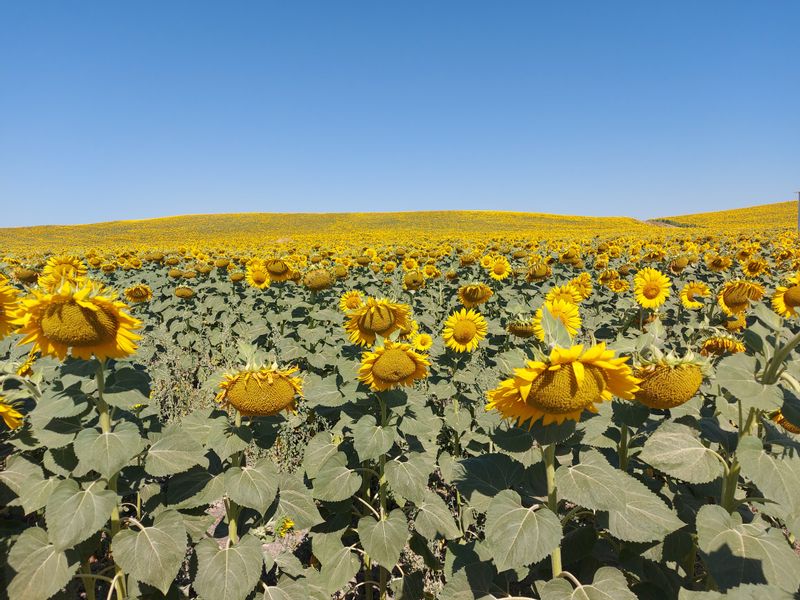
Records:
x=521, y=328
x=464, y=329
x=786, y=301
x=413, y=280
x=61, y=268
x=561, y=387
x=474, y=294
x=351, y=300
x=317, y=280
x=538, y=271
x=392, y=365
x=261, y=391
x=778, y=418
x=184, y=292
x=719, y=345
x=651, y=287
x=139, y=293
x=583, y=284
x=9, y=305
x=691, y=292
x=753, y=267
x=26, y=276
x=376, y=317
x=564, y=311
x=667, y=381
x=278, y=269
x=735, y=296
x=82, y=319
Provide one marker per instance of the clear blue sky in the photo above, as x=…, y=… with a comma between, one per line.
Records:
x=135, y=109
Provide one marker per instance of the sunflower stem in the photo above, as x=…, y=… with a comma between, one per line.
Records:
x=622, y=450
x=781, y=354
x=382, y=495
x=232, y=509
x=552, y=500
x=105, y=426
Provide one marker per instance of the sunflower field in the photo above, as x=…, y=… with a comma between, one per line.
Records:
x=370, y=407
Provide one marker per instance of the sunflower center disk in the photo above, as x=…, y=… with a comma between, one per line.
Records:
x=74, y=325
x=473, y=294
x=651, y=290
x=378, y=319
x=558, y=392
x=253, y=396
x=394, y=365
x=666, y=387
x=464, y=331
x=791, y=297
x=499, y=268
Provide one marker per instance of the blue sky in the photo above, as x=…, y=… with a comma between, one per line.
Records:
x=125, y=110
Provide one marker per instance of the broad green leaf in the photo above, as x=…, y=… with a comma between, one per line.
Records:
x=196, y=487
x=322, y=392
x=517, y=535
x=608, y=584
x=483, y=477
x=736, y=553
x=737, y=375
x=676, y=450
x=319, y=450
x=272, y=592
x=41, y=569
x=434, y=518
x=226, y=439
x=555, y=333
x=778, y=479
x=254, y=487
x=743, y=592
x=335, y=482
x=27, y=480
x=295, y=502
x=372, y=440
x=175, y=452
x=339, y=563
x=73, y=514
x=409, y=479
x=107, y=453
x=635, y=513
x=153, y=554
x=228, y=573
x=127, y=387
x=384, y=540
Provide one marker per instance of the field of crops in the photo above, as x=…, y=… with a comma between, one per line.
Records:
x=402, y=405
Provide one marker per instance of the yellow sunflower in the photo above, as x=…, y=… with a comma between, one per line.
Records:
x=61, y=268
x=786, y=300
x=691, y=291
x=422, y=342
x=735, y=296
x=721, y=344
x=261, y=392
x=651, y=287
x=10, y=415
x=351, y=301
x=9, y=304
x=278, y=269
x=781, y=420
x=474, y=294
x=83, y=319
x=392, y=365
x=317, y=280
x=464, y=329
x=257, y=275
x=564, y=311
x=618, y=286
x=666, y=385
x=374, y=318
x=563, y=386
x=567, y=293
x=583, y=284
x=139, y=293
x=538, y=271
x=500, y=269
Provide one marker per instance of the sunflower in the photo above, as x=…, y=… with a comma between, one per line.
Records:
x=778, y=418
x=351, y=300
x=83, y=319
x=61, y=268
x=9, y=304
x=583, y=284
x=786, y=300
x=474, y=294
x=464, y=329
x=754, y=267
x=500, y=269
x=237, y=276
x=374, y=318
x=10, y=415
x=567, y=293
x=317, y=280
x=261, y=391
x=27, y=276
x=184, y=292
x=721, y=344
x=26, y=368
x=257, y=275
x=651, y=287
x=538, y=271
x=735, y=296
x=618, y=286
x=487, y=261
x=278, y=269
x=563, y=386
x=413, y=280
x=422, y=342
x=717, y=263
x=691, y=291
x=139, y=293
x=667, y=383
x=564, y=311
x=521, y=328
x=392, y=365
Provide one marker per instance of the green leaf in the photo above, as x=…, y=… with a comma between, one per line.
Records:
x=295, y=502
x=175, y=452
x=73, y=515
x=272, y=592
x=228, y=573
x=339, y=563
x=736, y=374
x=482, y=477
x=608, y=584
x=127, y=387
x=555, y=332
x=635, y=513
x=335, y=482
x=778, y=479
x=27, y=481
x=518, y=535
x=226, y=439
x=409, y=479
x=107, y=453
x=736, y=553
x=676, y=450
x=153, y=554
x=318, y=450
x=434, y=517
x=322, y=392
x=384, y=540
x=742, y=592
x=41, y=568
x=371, y=440
x=254, y=487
